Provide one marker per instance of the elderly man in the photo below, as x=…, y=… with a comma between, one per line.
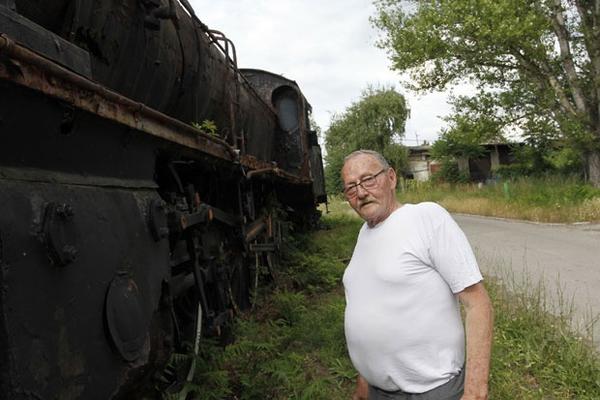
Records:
x=411, y=267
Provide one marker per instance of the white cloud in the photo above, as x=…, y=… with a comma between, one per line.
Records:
x=327, y=47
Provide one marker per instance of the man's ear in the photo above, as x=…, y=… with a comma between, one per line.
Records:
x=391, y=173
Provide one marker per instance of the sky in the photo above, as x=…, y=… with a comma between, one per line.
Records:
x=327, y=47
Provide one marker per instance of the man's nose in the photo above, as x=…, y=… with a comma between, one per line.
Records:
x=361, y=191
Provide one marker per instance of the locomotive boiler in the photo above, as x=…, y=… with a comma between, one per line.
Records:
x=144, y=180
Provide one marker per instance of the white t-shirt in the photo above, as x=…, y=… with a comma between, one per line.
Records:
x=402, y=321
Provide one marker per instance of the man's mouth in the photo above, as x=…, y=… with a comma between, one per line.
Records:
x=365, y=203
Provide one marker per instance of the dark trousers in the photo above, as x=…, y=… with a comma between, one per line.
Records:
x=451, y=390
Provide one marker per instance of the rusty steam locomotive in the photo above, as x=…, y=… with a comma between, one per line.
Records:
x=142, y=180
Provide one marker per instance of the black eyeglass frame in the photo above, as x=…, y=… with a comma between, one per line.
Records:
x=355, y=185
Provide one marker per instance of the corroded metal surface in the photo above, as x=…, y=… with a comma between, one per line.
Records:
x=37, y=39
x=122, y=221
x=258, y=167
x=28, y=69
x=292, y=147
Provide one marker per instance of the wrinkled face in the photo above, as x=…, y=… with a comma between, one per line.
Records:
x=375, y=203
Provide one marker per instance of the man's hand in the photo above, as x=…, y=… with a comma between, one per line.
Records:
x=362, y=389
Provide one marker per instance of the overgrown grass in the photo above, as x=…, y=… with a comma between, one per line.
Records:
x=537, y=354
x=548, y=199
x=293, y=347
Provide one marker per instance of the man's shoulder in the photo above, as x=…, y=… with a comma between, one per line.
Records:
x=428, y=208
x=428, y=215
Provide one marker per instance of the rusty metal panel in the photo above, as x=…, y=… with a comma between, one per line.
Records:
x=53, y=311
x=43, y=138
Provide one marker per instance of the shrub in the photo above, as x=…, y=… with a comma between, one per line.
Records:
x=449, y=173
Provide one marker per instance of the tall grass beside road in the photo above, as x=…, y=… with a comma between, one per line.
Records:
x=547, y=199
x=537, y=353
x=292, y=345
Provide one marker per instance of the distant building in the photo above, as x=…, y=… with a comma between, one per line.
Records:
x=421, y=166
x=495, y=155
x=420, y=163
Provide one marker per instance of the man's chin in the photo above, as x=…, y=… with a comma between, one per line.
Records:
x=368, y=212
x=372, y=220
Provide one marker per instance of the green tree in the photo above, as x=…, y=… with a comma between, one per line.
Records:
x=538, y=61
x=471, y=124
x=375, y=122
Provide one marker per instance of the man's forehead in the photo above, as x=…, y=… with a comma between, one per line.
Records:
x=362, y=164
x=363, y=159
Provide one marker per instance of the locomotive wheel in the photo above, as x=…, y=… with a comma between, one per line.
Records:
x=239, y=286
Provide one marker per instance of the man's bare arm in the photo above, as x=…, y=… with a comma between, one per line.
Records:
x=479, y=327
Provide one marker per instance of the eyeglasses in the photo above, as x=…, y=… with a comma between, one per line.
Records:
x=368, y=182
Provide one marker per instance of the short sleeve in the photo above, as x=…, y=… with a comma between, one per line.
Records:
x=450, y=252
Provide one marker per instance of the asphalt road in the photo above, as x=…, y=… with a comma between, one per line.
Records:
x=565, y=258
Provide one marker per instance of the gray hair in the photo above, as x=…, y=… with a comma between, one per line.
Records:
x=372, y=153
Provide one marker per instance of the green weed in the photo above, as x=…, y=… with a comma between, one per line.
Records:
x=207, y=127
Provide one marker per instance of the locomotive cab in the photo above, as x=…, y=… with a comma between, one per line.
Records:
x=297, y=146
